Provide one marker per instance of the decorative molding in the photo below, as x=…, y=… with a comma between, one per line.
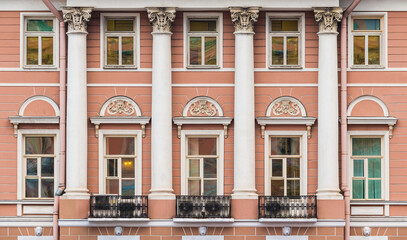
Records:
x=161, y=18
x=77, y=18
x=202, y=105
x=391, y=121
x=328, y=19
x=244, y=18
x=286, y=105
x=29, y=100
x=225, y=121
x=264, y=121
x=371, y=98
x=120, y=120
x=16, y=120
x=120, y=105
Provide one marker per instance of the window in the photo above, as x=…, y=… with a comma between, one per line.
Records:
x=367, y=167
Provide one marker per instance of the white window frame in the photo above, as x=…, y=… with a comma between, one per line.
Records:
x=383, y=38
x=21, y=134
x=303, y=159
x=384, y=135
x=138, y=159
x=301, y=41
x=218, y=16
x=103, y=35
x=23, y=40
x=220, y=163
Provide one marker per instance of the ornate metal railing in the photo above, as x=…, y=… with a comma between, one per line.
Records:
x=203, y=207
x=116, y=206
x=288, y=207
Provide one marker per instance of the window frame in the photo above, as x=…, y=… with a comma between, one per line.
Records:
x=218, y=16
x=301, y=38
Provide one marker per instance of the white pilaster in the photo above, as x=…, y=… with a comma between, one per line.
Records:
x=328, y=171
x=244, y=122
x=77, y=121
x=161, y=116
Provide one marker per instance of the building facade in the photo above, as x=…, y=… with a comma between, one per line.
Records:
x=246, y=120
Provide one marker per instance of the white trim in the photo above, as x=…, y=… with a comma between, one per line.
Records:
x=118, y=220
x=120, y=120
x=202, y=237
x=367, y=210
x=118, y=237
x=123, y=98
x=371, y=98
x=288, y=220
x=202, y=120
x=286, y=237
x=378, y=222
x=203, y=220
x=38, y=98
x=369, y=238
x=372, y=120
x=33, y=120
x=287, y=98
x=286, y=121
x=205, y=98
x=35, y=238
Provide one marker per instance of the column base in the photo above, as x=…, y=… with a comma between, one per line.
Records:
x=244, y=194
x=331, y=209
x=76, y=193
x=162, y=194
x=74, y=209
x=245, y=208
x=329, y=194
x=161, y=208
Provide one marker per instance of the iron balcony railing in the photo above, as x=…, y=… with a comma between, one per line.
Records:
x=203, y=207
x=288, y=207
x=117, y=206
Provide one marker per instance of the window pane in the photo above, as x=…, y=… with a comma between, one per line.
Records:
x=194, y=187
x=202, y=146
x=112, y=186
x=31, y=187
x=293, y=187
x=32, y=50
x=195, y=46
x=358, y=168
x=112, y=167
x=209, y=168
x=284, y=25
x=210, y=51
x=32, y=166
x=47, y=167
x=366, y=24
x=366, y=146
x=374, y=167
x=293, y=167
x=277, y=187
x=47, y=188
x=359, y=50
x=277, y=168
x=375, y=189
x=374, y=50
x=39, y=145
x=358, y=189
x=285, y=146
x=194, y=167
x=210, y=188
x=292, y=50
x=112, y=50
x=37, y=25
x=202, y=26
x=128, y=187
x=47, y=50
x=120, y=146
x=127, y=51
x=128, y=167
x=120, y=25
x=277, y=51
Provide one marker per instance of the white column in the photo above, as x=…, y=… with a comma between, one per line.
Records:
x=328, y=171
x=77, y=120
x=161, y=116
x=244, y=128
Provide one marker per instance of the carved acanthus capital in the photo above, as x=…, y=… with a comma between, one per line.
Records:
x=244, y=18
x=161, y=18
x=77, y=18
x=328, y=19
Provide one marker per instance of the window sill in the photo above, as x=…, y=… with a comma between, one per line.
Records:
x=367, y=67
x=28, y=68
x=202, y=67
x=203, y=220
x=133, y=67
x=285, y=67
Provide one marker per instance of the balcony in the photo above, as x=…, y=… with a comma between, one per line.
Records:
x=304, y=207
x=117, y=206
x=203, y=207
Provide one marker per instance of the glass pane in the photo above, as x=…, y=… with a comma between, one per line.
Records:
x=210, y=51
x=195, y=48
x=292, y=50
x=285, y=146
x=112, y=167
x=366, y=24
x=32, y=166
x=194, y=187
x=210, y=188
x=32, y=50
x=374, y=167
x=47, y=188
x=194, y=167
x=112, y=186
x=127, y=51
x=31, y=187
x=47, y=50
x=128, y=187
x=293, y=187
x=277, y=51
x=120, y=145
x=293, y=167
x=284, y=25
x=39, y=145
x=358, y=168
x=47, y=167
x=112, y=50
x=202, y=26
x=277, y=168
x=277, y=187
x=209, y=168
x=120, y=25
x=359, y=50
x=37, y=25
x=366, y=146
x=128, y=167
x=358, y=189
x=374, y=189
x=202, y=146
x=374, y=50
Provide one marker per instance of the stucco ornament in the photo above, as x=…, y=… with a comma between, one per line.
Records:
x=244, y=18
x=286, y=107
x=120, y=106
x=202, y=107
x=77, y=18
x=328, y=19
x=161, y=18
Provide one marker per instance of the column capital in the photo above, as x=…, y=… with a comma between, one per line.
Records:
x=161, y=18
x=244, y=18
x=328, y=19
x=77, y=18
